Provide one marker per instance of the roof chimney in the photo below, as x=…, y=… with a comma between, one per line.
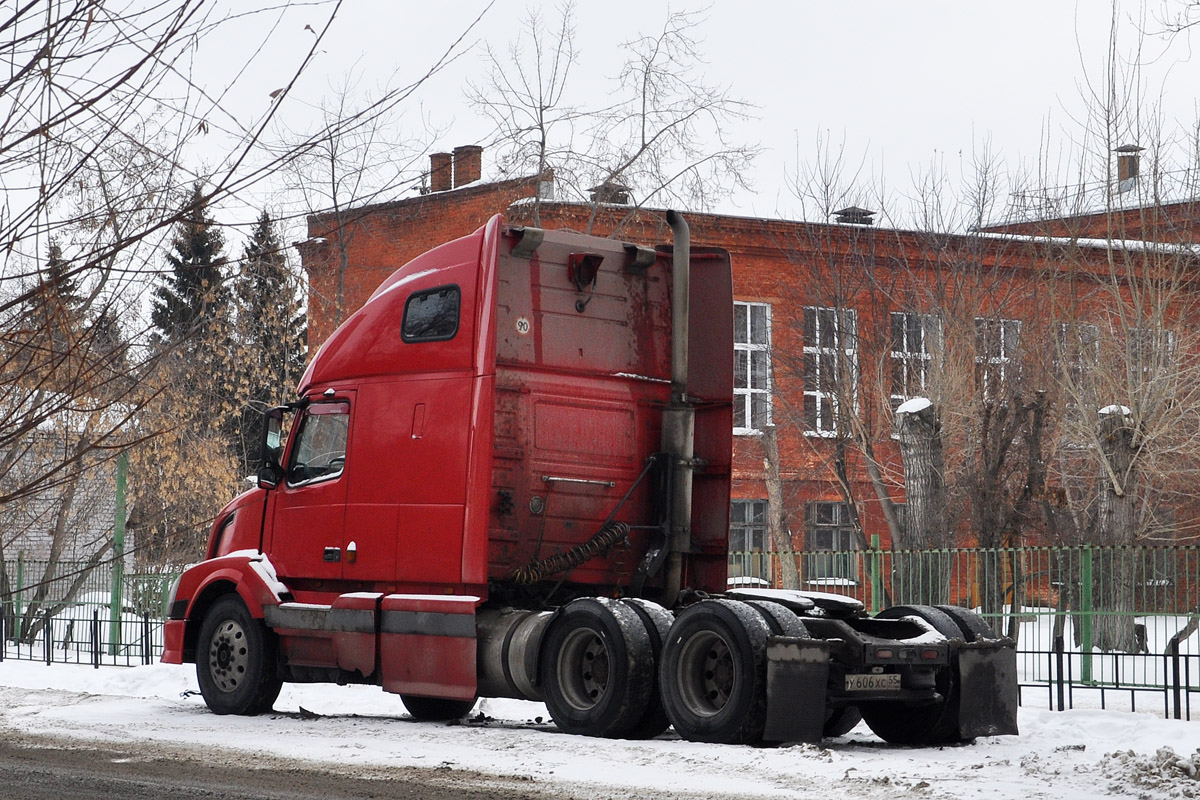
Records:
x=440, y=174
x=1127, y=162
x=853, y=215
x=610, y=192
x=468, y=164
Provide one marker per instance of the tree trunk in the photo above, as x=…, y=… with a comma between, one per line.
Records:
x=777, y=530
x=921, y=577
x=1115, y=524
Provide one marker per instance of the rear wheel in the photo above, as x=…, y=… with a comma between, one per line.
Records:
x=714, y=673
x=235, y=660
x=657, y=621
x=436, y=709
x=936, y=723
x=973, y=627
x=597, y=668
x=841, y=721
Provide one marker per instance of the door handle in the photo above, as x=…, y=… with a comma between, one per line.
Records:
x=333, y=554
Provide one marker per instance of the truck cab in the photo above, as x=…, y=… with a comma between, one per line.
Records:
x=508, y=475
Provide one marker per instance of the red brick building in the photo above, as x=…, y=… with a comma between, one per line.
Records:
x=835, y=327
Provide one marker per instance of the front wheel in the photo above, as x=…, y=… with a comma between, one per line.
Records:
x=235, y=660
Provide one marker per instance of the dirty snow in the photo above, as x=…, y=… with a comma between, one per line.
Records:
x=1061, y=755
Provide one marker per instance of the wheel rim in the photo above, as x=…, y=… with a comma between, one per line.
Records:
x=707, y=674
x=228, y=656
x=583, y=669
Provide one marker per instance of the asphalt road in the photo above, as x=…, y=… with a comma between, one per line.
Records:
x=48, y=769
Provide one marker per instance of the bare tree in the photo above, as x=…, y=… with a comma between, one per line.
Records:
x=919, y=431
x=660, y=138
x=99, y=119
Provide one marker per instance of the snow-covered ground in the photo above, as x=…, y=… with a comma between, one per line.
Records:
x=1061, y=755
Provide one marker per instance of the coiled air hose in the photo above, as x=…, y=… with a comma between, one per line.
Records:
x=603, y=541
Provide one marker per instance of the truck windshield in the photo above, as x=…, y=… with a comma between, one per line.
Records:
x=320, y=450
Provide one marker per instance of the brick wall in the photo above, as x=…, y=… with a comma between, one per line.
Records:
x=787, y=264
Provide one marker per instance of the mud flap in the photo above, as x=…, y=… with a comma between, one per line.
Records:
x=797, y=673
x=987, y=689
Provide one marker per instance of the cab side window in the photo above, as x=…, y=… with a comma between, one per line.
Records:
x=320, y=450
x=431, y=316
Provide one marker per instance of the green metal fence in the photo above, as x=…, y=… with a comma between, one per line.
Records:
x=82, y=613
x=1107, y=626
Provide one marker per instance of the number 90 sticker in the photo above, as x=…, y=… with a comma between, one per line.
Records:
x=523, y=327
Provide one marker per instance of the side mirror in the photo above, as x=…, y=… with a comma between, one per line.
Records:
x=271, y=473
x=269, y=476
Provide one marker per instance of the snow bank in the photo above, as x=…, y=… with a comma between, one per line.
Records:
x=1064, y=755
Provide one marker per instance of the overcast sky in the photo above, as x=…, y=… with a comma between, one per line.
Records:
x=904, y=86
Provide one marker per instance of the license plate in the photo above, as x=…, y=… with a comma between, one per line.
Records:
x=872, y=683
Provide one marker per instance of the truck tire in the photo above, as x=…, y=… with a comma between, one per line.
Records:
x=920, y=725
x=657, y=621
x=714, y=673
x=436, y=709
x=596, y=668
x=840, y=721
x=779, y=619
x=972, y=626
x=235, y=660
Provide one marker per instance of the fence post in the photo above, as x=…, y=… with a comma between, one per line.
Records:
x=1086, y=612
x=20, y=602
x=118, y=572
x=47, y=635
x=876, y=577
x=95, y=638
x=147, y=657
x=1058, y=677
x=1176, y=678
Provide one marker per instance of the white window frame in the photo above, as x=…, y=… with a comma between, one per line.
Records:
x=1077, y=351
x=1142, y=346
x=832, y=563
x=914, y=358
x=839, y=355
x=750, y=561
x=1000, y=362
x=745, y=392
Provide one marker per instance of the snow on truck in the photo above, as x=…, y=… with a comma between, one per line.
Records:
x=508, y=475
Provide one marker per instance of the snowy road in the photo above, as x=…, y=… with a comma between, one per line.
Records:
x=509, y=749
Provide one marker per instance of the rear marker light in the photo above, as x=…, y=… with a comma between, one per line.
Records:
x=885, y=654
x=930, y=655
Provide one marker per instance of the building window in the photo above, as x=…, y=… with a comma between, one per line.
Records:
x=830, y=542
x=752, y=367
x=1149, y=352
x=915, y=338
x=1076, y=355
x=748, y=557
x=996, y=343
x=830, y=367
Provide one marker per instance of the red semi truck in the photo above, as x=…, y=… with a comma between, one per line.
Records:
x=507, y=475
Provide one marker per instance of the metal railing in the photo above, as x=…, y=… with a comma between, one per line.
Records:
x=82, y=613
x=1099, y=626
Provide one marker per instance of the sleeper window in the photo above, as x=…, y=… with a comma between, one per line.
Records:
x=431, y=316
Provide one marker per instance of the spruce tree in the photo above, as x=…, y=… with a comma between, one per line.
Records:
x=271, y=332
x=62, y=286
x=193, y=294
